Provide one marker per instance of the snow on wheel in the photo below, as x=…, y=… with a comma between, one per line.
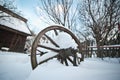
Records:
x=56, y=42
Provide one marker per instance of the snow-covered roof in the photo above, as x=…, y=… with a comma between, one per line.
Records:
x=13, y=22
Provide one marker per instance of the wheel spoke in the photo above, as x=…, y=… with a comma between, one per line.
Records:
x=56, y=33
x=52, y=41
x=49, y=48
x=47, y=59
x=74, y=60
x=41, y=52
x=62, y=61
x=70, y=60
x=66, y=63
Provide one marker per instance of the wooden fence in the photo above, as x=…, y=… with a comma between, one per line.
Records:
x=106, y=51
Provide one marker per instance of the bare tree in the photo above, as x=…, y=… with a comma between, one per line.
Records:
x=101, y=16
x=9, y=4
x=62, y=12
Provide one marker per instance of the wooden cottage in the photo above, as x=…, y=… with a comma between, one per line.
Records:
x=13, y=30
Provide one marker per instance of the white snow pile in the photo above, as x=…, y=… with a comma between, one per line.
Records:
x=64, y=40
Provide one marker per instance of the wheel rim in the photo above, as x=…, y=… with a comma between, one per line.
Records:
x=34, y=62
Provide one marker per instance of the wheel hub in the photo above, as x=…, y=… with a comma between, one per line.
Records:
x=64, y=53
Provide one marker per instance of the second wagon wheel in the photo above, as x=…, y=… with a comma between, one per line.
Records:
x=55, y=42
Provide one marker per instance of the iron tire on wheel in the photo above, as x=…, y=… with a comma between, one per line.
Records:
x=34, y=63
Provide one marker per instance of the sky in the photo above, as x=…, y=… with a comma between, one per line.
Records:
x=28, y=9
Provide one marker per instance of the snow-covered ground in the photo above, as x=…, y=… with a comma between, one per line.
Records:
x=16, y=66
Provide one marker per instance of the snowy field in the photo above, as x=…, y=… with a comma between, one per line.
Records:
x=16, y=66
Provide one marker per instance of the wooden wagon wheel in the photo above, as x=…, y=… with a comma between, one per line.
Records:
x=41, y=47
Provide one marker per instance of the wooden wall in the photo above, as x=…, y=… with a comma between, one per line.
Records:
x=14, y=41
